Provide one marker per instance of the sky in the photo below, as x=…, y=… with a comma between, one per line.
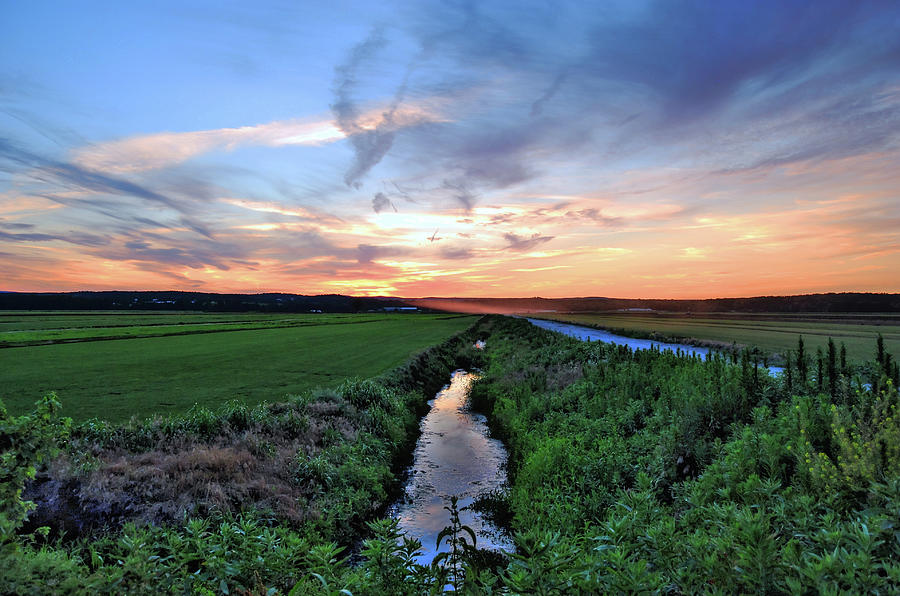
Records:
x=661, y=149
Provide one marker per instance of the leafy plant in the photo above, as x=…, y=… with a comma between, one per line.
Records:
x=461, y=542
x=25, y=442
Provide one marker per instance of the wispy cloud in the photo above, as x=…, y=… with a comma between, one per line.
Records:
x=73, y=237
x=74, y=176
x=370, y=145
x=14, y=225
x=519, y=243
x=294, y=212
x=533, y=269
x=381, y=203
x=648, y=148
x=161, y=150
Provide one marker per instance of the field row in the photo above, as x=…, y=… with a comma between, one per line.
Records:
x=11, y=320
x=54, y=328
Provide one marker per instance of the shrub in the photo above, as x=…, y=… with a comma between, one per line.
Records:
x=25, y=442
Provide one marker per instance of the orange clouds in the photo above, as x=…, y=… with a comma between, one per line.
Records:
x=662, y=246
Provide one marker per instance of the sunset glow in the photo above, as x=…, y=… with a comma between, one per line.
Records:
x=433, y=149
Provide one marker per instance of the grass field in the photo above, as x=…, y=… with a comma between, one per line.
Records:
x=248, y=357
x=17, y=330
x=34, y=320
x=771, y=333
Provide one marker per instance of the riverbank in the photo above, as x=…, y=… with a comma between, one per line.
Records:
x=643, y=471
x=680, y=340
x=593, y=334
x=774, y=334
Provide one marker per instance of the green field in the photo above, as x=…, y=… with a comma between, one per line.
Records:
x=772, y=333
x=17, y=330
x=160, y=363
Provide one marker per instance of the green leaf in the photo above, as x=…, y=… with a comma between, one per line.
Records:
x=470, y=532
x=448, y=531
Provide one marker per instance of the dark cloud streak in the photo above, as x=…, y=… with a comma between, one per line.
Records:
x=369, y=145
x=73, y=237
x=538, y=106
x=75, y=177
x=15, y=225
x=521, y=244
x=381, y=203
x=461, y=194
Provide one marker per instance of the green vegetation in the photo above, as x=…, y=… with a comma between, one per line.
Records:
x=117, y=379
x=773, y=333
x=18, y=330
x=13, y=320
x=261, y=499
x=629, y=472
x=648, y=472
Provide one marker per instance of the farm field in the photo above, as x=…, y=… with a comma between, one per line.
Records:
x=773, y=334
x=163, y=363
x=18, y=329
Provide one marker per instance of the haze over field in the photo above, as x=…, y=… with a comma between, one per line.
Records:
x=640, y=149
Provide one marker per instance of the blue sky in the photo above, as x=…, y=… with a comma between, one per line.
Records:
x=664, y=149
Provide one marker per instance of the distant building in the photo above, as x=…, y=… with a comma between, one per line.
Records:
x=400, y=309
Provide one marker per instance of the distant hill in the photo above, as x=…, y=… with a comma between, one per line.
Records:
x=191, y=301
x=807, y=303
x=848, y=302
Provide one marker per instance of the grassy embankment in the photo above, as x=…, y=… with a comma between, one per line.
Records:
x=241, y=499
x=204, y=359
x=774, y=334
x=642, y=471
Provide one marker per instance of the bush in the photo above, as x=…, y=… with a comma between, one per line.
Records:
x=25, y=442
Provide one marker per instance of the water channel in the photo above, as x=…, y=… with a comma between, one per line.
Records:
x=589, y=334
x=454, y=456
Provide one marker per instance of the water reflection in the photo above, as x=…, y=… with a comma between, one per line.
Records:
x=454, y=456
x=589, y=334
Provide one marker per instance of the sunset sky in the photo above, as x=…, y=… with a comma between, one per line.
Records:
x=629, y=149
